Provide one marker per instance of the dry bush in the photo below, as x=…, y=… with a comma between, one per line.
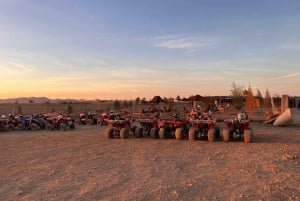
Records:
x=250, y=103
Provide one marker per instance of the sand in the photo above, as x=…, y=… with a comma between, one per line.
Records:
x=83, y=165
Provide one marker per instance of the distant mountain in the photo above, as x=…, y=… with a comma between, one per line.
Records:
x=35, y=100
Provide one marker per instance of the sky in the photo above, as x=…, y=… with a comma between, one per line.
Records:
x=123, y=49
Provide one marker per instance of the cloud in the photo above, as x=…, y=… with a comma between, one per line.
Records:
x=288, y=76
x=15, y=70
x=21, y=66
x=182, y=42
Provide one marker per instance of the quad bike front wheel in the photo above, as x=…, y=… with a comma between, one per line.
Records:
x=89, y=122
x=226, y=135
x=161, y=133
x=154, y=133
x=217, y=133
x=77, y=122
x=72, y=126
x=63, y=126
x=192, y=134
x=21, y=127
x=178, y=133
x=138, y=133
x=124, y=133
x=108, y=133
x=49, y=127
x=6, y=127
x=33, y=126
x=248, y=135
x=11, y=127
x=211, y=135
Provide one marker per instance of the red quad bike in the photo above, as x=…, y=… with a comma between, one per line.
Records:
x=146, y=127
x=60, y=122
x=173, y=128
x=8, y=123
x=204, y=127
x=87, y=118
x=238, y=129
x=103, y=117
x=119, y=127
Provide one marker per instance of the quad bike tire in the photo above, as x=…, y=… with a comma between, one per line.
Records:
x=124, y=133
x=138, y=133
x=33, y=126
x=162, y=133
x=49, y=127
x=108, y=133
x=226, y=135
x=178, y=133
x=133, y=129
x=6, y=128
x=154, y=133
x=217, y=133
x=211, y=135
x=77, y=122
x=72, y=126
x=89, y=122
x=63, y=126
x=192, y=134
x=21, y=127
x=11, y=127
x=248, y=135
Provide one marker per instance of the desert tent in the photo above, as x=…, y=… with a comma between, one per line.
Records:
x=157, y=99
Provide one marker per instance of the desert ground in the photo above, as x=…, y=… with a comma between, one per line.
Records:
x=82, y=165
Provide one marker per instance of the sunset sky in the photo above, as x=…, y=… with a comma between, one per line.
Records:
x=122, y=49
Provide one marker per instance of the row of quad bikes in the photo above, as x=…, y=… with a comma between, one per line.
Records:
x=197, y=127
x=52, y=121
x=37, y=122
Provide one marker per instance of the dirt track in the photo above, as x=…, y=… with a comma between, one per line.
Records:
x=83, y=165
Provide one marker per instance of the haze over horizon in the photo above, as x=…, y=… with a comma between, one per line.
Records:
x=127, y=49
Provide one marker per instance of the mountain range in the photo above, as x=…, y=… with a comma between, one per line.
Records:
x=36, y=100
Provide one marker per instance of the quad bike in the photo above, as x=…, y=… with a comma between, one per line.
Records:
x=146, y=127
x=204, y=127
x=60, y=122
x=118, y=127
x=67, y=123
x=238, y=129
x=32, y=123
x=103, y=117
x=175, y=127
x=12, y=122
x=40, y=118
x=87, y=118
